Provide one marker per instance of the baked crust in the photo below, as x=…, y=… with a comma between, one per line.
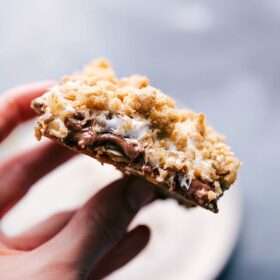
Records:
x=134, y=126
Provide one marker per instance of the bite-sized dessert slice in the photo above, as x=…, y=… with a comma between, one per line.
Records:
x=134, y=126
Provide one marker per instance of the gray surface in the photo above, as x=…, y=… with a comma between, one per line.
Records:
x=218, y=57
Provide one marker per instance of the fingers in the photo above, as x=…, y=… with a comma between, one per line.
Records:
x=4, y=240
x=15, y=105
x=101, y=223
x=40, y=233
x=126, y=250
x=19, y=173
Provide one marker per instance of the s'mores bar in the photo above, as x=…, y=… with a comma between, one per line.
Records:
x=134, y=126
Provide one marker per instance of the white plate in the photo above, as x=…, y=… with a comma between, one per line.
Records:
x=186, y=244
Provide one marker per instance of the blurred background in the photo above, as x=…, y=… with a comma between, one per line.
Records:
x=217, y=57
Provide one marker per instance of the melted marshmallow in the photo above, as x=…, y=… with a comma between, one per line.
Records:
x=138, y=130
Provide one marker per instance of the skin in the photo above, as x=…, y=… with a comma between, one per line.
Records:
x=89, y=243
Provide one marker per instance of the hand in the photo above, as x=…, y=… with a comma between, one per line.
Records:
x=89, y=243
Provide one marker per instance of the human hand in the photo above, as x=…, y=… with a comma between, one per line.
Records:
x=89, y=243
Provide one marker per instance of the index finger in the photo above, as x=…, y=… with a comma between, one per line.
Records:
x=15, y=105
x=97, y=227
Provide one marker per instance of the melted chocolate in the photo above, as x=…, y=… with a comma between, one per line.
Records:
x=198, y=192
x=85, y=137
x=88, y=138
x=73, y=125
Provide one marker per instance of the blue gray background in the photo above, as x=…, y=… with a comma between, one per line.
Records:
x=218, y=57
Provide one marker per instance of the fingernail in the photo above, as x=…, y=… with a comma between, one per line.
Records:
x=139, y=192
